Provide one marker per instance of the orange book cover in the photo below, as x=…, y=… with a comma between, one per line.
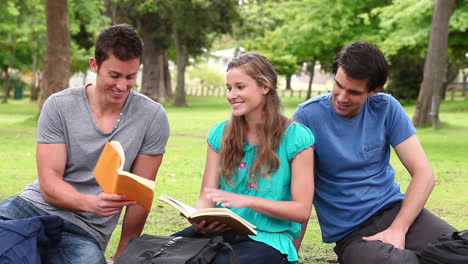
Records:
x=113, y=180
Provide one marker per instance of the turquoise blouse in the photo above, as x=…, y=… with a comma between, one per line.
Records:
x=275, y=232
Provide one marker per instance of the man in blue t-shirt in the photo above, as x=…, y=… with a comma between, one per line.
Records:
x=359, y=205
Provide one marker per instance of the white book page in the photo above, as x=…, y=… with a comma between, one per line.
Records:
x=189, y=209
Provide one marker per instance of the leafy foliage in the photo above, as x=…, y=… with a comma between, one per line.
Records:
x=86, y=21
x=406, y=74
x=23, y=32
x=20, y=29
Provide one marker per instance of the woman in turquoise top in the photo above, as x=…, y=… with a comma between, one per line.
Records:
x=259, y=165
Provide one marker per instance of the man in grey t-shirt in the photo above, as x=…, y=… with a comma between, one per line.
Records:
x=73, y=127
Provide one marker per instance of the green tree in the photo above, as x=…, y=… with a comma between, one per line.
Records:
x=405, y=27
x=258, y=20
x=33, y=22
x=86, y=22
x=157, y=39
x=23, y=27
x=193, y=24
x=15, y=39
x=156, y=81
x=406, y=74
x=313, y=31
x=286, y=65
x=72, y=27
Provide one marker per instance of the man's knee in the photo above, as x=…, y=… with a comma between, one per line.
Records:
x=426, y=228
x=376, y=252
x=74, y=249
x=7, y=210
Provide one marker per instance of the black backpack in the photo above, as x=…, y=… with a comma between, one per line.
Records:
x=149, y=249
x=447, y=249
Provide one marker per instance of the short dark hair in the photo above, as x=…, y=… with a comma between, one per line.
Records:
x=363, y=61
x=121, y=40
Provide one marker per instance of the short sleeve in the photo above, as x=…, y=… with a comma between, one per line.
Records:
x=297, y=138
x=50, y=126
x=157, y=134
x=399, y=125
x=215, y=136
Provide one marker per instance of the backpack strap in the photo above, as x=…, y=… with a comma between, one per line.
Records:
x=223, y=245
x=209, y=252
x=166, y=246
x=462, y=235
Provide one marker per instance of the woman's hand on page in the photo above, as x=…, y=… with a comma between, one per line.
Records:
x=105, y=204
x=228, y=199
x=205, y=228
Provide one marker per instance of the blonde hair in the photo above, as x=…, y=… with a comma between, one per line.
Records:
x=269, y=131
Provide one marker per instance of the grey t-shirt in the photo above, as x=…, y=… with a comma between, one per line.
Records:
x=66, y=117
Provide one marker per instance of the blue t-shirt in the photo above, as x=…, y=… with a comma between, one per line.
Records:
x=354, y=178
x=275, y=232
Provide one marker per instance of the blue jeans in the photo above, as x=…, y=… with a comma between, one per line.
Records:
x=248, y=251
x=76, y=246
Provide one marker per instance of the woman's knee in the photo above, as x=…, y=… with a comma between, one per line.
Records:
x=248, y=252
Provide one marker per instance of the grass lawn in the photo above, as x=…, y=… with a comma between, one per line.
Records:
x=181, y=172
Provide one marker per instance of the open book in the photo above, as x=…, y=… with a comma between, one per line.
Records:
x=113, y=180
x=221, y=215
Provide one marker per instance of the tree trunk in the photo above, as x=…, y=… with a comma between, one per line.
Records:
x=153, y=81
x=450, y=76
x=6, y=87
x=34, y=86
x=156, y=78
x=57, y=62
x=153, y=84
x=181, y=61
x=112, y=11
x=150, y=64
x=288, y=82
x=311, y=69
x=40, y=77
x=11, y=59
x=167, y=76
x=427, y=108
x=465, y=84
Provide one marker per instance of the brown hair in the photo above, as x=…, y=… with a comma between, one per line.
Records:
x=121, y=40
x=363, y=61
x=270, y=130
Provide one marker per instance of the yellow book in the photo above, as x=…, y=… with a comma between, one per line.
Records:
x=113, y=180
x=221, y=215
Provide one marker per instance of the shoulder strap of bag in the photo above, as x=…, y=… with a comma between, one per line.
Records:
x=223, y=245
x=462, y=235
x=212, y=248
x=166, y=246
